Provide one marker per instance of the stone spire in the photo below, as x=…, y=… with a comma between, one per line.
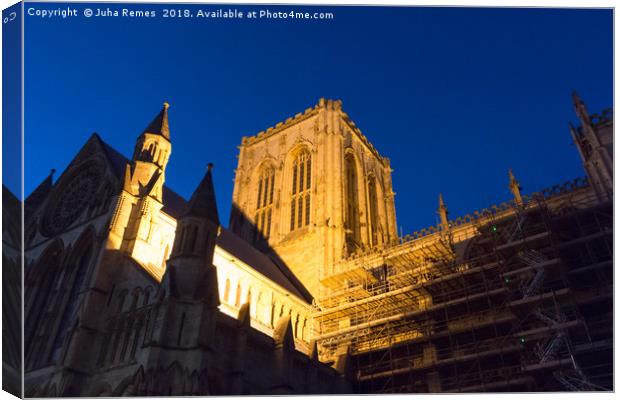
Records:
x=443, y=214
x=202, y=203
x=152, y=151
x=159, y=125
x=515, y=188
x=195, y=236
x=580, y=109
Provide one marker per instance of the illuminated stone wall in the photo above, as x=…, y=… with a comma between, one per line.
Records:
x=329, y=136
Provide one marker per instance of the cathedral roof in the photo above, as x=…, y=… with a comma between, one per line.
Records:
x=38, y=195
x=159, y=126
x=202, y=203
x=262, y=263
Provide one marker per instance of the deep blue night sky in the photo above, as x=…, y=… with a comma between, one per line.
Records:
x=454, y=97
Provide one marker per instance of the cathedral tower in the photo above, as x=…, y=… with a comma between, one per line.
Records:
x=594, y=140
x=313, y=190
x=139, y=228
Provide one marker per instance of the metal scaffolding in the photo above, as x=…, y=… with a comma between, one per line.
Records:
x=502, y=302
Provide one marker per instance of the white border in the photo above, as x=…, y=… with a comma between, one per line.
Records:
x=461, y=3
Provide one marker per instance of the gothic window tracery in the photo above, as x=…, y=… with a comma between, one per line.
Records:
x=372, y=204
x=74, y=196
x=351, y=202
x=39, y=294
x=300, y=193
x=75, y=287
x=264, y=203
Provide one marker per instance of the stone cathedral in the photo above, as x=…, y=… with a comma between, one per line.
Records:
x=131, y=289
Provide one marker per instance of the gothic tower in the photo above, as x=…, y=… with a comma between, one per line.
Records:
x=313, y=191
x=139, y=228
x=594, y=140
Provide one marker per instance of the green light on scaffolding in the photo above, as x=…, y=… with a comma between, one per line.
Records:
x=507, y=280
x=522, y=340
x=494, y=228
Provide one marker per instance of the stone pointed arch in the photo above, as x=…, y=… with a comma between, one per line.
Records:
x=263, y=196
x=124, y=388
x=39, y=291
x=139, y=381
x=55, y=251
x=175, y=375
x=76, y=276
x=298, y=183
x=86, y=239
x=355, y=200
x=268, y=161
x=373, y=196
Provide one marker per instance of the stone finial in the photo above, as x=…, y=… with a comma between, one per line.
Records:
x=443, y=214
x=209, y=166
x=515, y=188
x=166, y=105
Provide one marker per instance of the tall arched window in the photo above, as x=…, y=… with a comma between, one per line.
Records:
x=147, y=295
x=39, y=294
x=304, y=330
x=227, y=291
x=351, y=202
x=189, y=238
x=72, y=301
x=238, y=295
x=264, y=203
x=372, y=203
x=296, y=333
x=300, y=193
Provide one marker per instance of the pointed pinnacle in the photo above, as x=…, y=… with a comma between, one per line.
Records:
x=127, y=179
x=203, y=203
x=159, y=125
x=441, y=203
